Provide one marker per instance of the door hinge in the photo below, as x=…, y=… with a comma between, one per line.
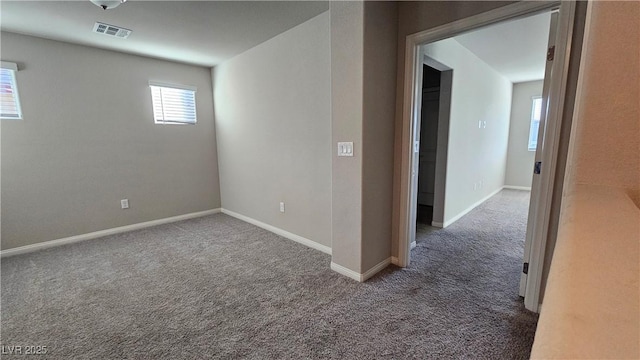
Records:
x=536, y=167
x=525, y=268
x=551, y=53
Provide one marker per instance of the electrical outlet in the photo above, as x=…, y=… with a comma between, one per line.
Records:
x=281, y=207
x=124, y=203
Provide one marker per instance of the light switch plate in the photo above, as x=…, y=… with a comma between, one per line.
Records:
x=345, y=149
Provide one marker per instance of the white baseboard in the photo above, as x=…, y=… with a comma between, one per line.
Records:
x=394, y=260
x=376, y=269
x=512, y=187
x=361, y=277
x=413, y=245
x=346, y=271
x=291, y=236
x=467, y=210
x=93, y=235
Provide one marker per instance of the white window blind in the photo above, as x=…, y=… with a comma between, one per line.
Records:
x=9, y=100
x=173, y=104
x=536, y=112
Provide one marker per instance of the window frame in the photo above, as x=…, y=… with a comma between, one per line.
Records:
x=532, y=144
x=163, y=85
x=13, y=69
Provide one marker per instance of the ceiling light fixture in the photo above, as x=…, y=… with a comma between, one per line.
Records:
x=108, y=4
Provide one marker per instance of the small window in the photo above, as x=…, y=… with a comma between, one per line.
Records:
x=9, y=100
x=536, y=112
x=173, y=104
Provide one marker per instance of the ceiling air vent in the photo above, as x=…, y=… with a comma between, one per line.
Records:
x=111, y=30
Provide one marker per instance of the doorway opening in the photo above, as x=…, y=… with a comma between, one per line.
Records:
x=491, y=167
x=475, y=131
x=437, y=80
x=428, y=143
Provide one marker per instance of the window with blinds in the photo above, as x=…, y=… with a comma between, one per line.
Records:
x=536, y=113
x=173, y=104
x=9, y=100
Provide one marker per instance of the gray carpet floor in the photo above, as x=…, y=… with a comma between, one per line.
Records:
x=216, y=287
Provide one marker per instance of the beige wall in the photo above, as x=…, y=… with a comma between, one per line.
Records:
x=607, y=128
x=363, y=62
x=604, y=159
x=272, y=106
x=476, y=157
x=519, y=159
x=347, y=32
x=413, y=17
x=604, y=147
x=380, y=43
x=88, y=140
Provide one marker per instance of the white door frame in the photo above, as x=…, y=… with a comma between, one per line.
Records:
x=537, y=180
x=411, y=112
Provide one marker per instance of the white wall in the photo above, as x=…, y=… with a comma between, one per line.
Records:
x=476, y=155
x=519, y=159
x=88, y=139
x=273, y=121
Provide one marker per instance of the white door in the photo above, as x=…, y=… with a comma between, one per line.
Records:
x=536, y=184
x=428, y=146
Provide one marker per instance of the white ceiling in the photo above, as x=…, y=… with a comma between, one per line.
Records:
x=195, y=32
x=516, y=49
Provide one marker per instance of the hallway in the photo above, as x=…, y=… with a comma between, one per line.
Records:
x=474, y=267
